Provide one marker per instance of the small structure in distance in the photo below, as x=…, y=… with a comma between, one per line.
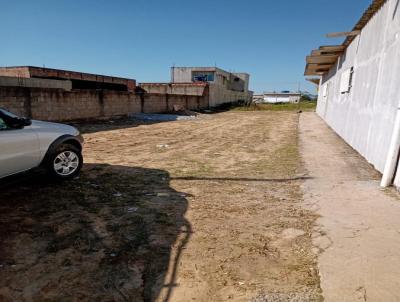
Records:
x=277, y=97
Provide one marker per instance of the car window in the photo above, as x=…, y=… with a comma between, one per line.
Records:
x=3, y=125
x=7, y=119
x=4, y=112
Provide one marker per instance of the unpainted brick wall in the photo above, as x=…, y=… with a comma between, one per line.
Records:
x=178, y=100
x=120, y=103
x=153, y=103
x=14, y=99
x=59, y=105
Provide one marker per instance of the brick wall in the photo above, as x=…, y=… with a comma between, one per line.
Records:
x=19, y=72
x=59, y=105
x=14, y=99
x=120, y=103
x=179, y=100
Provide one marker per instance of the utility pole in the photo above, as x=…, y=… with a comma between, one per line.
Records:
x=299, y=91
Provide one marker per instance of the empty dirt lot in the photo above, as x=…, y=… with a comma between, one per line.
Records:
x=200, y=210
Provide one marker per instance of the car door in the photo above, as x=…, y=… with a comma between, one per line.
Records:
x=19, y=149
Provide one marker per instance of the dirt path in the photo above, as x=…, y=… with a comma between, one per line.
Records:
x=357, y=237
x=201, y=210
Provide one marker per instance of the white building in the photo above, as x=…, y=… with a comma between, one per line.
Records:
x=280, y=97
x=224, y=87
x=359, y=90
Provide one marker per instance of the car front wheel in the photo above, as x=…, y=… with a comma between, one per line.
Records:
x=65, y=162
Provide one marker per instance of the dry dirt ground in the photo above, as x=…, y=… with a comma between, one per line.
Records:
x=201, y=210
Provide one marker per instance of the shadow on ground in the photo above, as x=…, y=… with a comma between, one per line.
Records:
x=128, y=122
x=243, y=179
x=106, y=236
x=111, y=124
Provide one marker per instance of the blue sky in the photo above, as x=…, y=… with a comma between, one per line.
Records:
x=142, y=39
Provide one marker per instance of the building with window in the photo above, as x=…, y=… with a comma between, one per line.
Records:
x=359, y=89
x=224, y=87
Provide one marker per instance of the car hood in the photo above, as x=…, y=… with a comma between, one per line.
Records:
x=54, y=127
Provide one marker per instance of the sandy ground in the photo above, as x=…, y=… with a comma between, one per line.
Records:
x=357, y=236
x=202, y=210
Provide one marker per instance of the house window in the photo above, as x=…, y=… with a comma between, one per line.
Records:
x=198, y=76
x=346, y=80
x=351, y=78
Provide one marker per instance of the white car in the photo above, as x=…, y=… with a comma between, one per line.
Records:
x=27, y=144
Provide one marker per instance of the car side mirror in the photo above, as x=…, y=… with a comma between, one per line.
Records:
x=26, y=122
x=20, y=122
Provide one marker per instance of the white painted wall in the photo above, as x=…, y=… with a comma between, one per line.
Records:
x=281, y=99
x=364, y=116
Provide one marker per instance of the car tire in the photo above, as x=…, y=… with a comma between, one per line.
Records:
x=66, y=162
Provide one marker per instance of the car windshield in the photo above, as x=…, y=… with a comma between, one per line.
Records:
x=4, y=112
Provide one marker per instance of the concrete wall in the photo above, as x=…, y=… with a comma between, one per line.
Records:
x=245, y=77
x=180, y=75
x=220, y=95
x=50, y=73
x=59, y=105
x=364, y=117
x=33, y=82
x=175, y=88
x=236, y=84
